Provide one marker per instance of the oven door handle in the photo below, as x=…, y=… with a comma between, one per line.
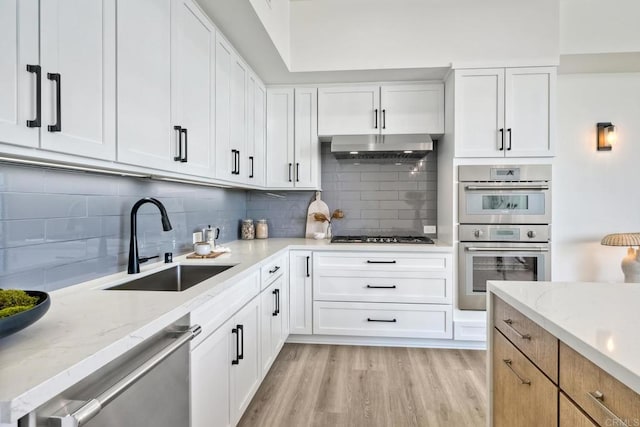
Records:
x=500, y=249
x=540, y=187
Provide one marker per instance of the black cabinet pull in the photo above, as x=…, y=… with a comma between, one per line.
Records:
x=381, y=262
x=509, y=146
x=251, y=159
x=501, y=130
x=57, y=127
x=237, y=359
x=382, y=320
x=375, y=118
x=276, y=293
x=276, y=268
x=233, y=154
x=178, y=130
x=186, y=144
x=381, y=287
x=384, y=119
x=297, y=172
x=241, y=354
x=290, y=166
x=36, y=123
x=238, y=162
x=308, y=267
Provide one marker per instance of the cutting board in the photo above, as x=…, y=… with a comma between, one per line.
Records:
x=314, y=226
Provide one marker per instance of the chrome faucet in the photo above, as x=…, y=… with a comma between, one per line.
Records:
x=134, y=260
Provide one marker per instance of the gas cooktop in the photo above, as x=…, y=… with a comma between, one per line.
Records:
x=382, y=239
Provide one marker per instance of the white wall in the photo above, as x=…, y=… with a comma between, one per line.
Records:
x=274, y=15
x=595, y=193
x=372, y=34
x=599, y=26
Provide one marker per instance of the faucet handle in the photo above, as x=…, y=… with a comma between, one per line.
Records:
x=145, y=259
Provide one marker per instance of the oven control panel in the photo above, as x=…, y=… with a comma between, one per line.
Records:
x=503, y=233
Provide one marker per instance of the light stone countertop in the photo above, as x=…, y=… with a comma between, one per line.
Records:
x=598, y=320
x=87, y=327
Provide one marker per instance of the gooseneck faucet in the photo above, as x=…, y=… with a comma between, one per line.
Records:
x=134, y=260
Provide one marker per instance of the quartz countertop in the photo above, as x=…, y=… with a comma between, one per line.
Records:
x=87, y=327
x=598, y=320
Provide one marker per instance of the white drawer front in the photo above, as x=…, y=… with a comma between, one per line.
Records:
x=383, y=287
x=272, y=270
x=382, y=320
x=381, y=261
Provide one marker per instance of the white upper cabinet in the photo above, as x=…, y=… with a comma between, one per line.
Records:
x=280, y=136
x=345, y=110
x=78, y=58
x=19, y=71
x=306, y=143
x=145, y=133
x=256, y=131
x=505, y=112
x=386, y=109
x=417, y=108
x=192, y=85
x=238, y=110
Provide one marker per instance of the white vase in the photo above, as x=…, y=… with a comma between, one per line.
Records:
x=631, y=266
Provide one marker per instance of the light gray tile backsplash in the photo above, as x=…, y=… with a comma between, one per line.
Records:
x=376, y=199
x=58, y=228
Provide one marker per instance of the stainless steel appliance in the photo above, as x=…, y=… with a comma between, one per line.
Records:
x=504, y=233
x=504, y=194
x=148, y=386
x=382, y=239
x=396, y=148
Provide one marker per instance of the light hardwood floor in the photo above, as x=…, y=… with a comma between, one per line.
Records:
x=345, y=386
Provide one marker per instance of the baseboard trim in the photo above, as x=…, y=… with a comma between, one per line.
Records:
x=387, y=342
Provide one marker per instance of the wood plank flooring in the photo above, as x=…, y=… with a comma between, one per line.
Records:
x=347, y=386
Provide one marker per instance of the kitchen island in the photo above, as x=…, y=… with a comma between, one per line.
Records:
x=565, y=353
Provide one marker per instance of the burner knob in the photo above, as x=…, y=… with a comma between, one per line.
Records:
x=478, y=233
x=531, y=234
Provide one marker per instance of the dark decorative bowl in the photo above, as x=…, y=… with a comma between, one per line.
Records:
x=18, y=321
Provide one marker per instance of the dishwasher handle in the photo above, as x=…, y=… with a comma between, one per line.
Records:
x=92, y=407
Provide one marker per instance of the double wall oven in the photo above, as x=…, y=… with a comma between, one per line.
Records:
x=504, y=232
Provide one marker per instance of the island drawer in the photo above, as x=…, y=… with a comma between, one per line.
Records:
x=571, y=416
x=600, y=395
x=529, y=337
x=382, y=320
x=425, y=288
x=381, y=261
x=273, y=269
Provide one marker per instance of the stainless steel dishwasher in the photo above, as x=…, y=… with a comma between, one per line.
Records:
x=147, y=386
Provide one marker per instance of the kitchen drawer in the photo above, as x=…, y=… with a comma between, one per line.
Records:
x=213, y=313
x=522, y=395
x=581, y=380
x=382, y=320
x=383, y=287
x=571, y=416
x=535, y=342
x=381, y=261
x=273, y=269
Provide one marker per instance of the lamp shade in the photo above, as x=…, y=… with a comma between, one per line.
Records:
x=621, y=239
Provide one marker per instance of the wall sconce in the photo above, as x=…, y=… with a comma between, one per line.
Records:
x=606, y=136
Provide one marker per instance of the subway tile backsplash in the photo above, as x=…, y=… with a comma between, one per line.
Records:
x=58, y=228
x=376, y=198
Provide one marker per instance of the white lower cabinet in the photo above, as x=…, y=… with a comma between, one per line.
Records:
x=273, y=320
x=300, y=292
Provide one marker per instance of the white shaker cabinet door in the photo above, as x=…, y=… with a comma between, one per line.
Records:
x=479, y=113
x=349, y=110
x=192, y=86
x=78, y=57
x=280, y=136
x=412, y=108
x=18, y=86
x=530, y=111
x=300, y=292
x=259, y=161
x=307, y=145
x=225, y=159
x=145, y=134
x=238, y=119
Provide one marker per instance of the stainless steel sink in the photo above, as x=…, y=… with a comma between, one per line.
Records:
x=174, y=279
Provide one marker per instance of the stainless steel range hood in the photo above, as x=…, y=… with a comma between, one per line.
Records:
x=381, y=147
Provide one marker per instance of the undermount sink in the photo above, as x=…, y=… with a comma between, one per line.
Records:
x=176, y=279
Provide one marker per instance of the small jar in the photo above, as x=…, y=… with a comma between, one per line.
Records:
x=248, y=231
x=262, y=229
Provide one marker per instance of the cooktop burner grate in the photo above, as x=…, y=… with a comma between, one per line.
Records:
x=382, y=239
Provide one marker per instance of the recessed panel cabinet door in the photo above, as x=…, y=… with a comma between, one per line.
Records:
x=280, y=138
x=259, y=136
x=225, y=159
x=349, y=110
x=408, y=109
x=307, y=145
x=77, y=51
x=479, y=113
x=238, y=110
x=145, y=134
x=192, y=84
x=300, y=292
x=19, y=47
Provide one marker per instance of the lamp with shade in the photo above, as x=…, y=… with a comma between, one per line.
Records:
x=631, y=262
